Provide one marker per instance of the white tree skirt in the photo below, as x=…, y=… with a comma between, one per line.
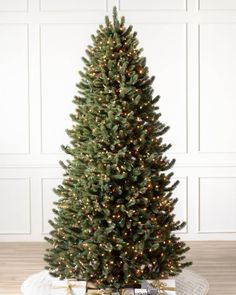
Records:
x=187, y=283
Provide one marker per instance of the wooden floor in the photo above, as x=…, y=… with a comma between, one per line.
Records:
x=216, y=261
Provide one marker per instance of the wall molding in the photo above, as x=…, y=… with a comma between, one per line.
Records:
x=150, y=10
x=29, y=232
x=105, y=9
x=199, y=231
x=17, y=10
x=214, y=9
x=199, y=90
x=28, y=93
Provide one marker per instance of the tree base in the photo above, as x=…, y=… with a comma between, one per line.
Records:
x=187, y=283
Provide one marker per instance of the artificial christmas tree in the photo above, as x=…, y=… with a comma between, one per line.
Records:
x=114, y=218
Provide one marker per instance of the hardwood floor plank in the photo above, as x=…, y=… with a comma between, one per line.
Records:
x=216, y=261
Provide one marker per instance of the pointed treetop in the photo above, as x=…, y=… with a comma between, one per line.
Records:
x=116, y=21
x=114, y=13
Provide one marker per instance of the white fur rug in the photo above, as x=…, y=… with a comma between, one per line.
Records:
x=187, y=283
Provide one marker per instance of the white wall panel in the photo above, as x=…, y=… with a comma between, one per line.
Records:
x=217, y=88
x=73, y=5
x=62, y=47
x=217, y=197
x=217, y=4
x=14, y=104
x=48, y=197
x=15, y=206
x=191, y=49
x=153, y=5
x=13, y=5
x=165, y=49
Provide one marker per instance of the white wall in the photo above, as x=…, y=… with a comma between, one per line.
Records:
x=190, y=47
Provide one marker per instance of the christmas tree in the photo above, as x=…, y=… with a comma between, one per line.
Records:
x=114, y=219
